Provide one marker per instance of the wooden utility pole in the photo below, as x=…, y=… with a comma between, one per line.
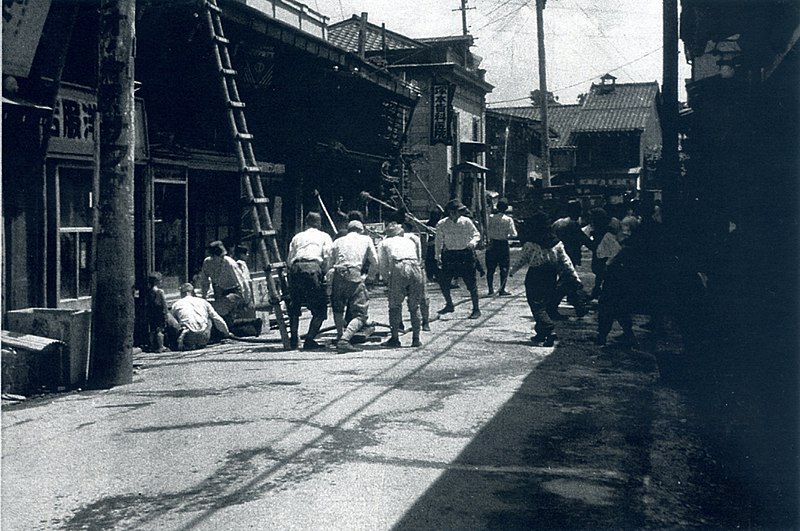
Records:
x=543, y=100
x=113, y=308
x=669, y=92
x=463, y=10
x=464, y=27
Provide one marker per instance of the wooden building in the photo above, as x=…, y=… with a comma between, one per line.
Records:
x=605, y=146
x=444, y=155
x=324, y=122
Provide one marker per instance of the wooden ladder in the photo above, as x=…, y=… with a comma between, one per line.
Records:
x=255, y=203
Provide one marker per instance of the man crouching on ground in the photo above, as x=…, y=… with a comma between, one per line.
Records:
x=191, y=319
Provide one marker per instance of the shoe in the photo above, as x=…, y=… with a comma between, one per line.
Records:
x=426, y=328
x=549, y=340
x=416, y=343
x=538, y=338
x=310, y=344
x=475, y=314
x=503, y=293
x=402, y=328
x=447, y=309
x=293, y=343
x=345, y=346
x=392, y=343
x=490, y=292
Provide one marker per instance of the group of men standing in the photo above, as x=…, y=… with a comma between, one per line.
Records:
x=316, y=262
x=320, y=267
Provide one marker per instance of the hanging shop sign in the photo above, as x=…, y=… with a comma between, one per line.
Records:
x=442, y=113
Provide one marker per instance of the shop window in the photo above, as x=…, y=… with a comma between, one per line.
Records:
x=169, y=207
x=75, y=232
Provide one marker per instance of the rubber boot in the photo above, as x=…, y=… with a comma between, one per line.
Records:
x=294, y=324
x=338, y=320
x=476, y=312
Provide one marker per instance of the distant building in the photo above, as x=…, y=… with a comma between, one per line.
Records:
x=605, y=146
x=445, y=146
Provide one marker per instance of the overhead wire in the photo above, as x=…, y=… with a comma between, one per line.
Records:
x=600, y=29
x=651, y=52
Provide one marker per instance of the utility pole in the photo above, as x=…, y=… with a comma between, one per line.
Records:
x=543, y=96
x=464, y=28
x=112, y=303
x=670, y=163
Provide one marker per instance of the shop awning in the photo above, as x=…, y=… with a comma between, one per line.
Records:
x=23, y=103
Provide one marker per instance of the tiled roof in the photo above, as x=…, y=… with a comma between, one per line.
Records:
x=625, y=108
x=560, y=118
x=345, y=35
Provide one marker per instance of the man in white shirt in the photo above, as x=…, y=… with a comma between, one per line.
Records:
x=500, y=229
x=191, y=320
x=400, y=266
x=308, y=260
x=456, y=239
x=352, y=256
x=221, y=271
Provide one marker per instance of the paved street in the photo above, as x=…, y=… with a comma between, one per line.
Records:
x=475, y=430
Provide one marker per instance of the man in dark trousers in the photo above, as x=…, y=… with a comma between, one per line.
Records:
x=456, y=239
x=500, y=229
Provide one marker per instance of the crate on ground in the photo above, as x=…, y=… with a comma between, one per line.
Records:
x=72, y=327
x=32, y=364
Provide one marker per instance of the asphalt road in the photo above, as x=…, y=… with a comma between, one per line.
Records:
x=478, y=429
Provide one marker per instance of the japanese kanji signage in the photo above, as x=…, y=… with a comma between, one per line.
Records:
x=75, y=124
x=442, y=113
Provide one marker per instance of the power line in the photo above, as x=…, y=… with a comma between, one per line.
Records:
x=341, y=9
x=582, y=81
x=600, y=29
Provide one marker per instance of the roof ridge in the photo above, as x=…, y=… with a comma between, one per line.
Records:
x=370, y=25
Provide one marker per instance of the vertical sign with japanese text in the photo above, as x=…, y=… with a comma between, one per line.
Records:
x=441, y=113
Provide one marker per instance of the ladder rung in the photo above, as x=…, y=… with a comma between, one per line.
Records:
x=244, y=136
x=257, y=201
x=228, y=71
x=213, y=7
x=251, y=169
x=236, y=104
x=276, y=265
x=266, y=233
x=222, y=40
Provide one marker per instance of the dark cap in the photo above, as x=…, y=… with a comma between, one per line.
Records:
x=454, y=205
x=217, y=248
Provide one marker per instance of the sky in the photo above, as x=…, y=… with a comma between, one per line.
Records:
x=584, y=39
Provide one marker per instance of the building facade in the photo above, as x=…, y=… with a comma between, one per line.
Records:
x=603, y=148
x=444, y=154
x=324, y=121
